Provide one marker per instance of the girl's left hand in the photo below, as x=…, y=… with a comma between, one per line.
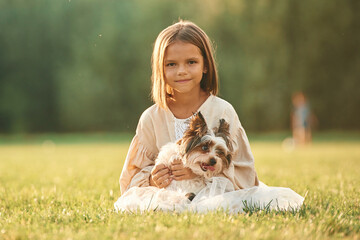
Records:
x=180, y=172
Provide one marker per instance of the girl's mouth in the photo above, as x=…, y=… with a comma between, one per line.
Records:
x=183, y=81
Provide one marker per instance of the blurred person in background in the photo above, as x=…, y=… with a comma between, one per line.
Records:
x=301, y=119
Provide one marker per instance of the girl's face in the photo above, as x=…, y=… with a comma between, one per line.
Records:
x=183, y=68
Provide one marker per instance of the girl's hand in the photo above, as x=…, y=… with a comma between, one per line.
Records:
x=160, y=176
x=180, y=172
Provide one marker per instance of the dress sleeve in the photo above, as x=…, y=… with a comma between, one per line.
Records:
x=140, y=158
x=241, y=171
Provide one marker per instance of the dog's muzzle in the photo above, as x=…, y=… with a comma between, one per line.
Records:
x=206, y=167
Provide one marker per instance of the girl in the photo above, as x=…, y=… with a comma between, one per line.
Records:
x=184, y=81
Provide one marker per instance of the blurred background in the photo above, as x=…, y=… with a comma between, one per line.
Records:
x=84, y=65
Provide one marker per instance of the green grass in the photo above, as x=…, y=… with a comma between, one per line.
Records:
x=56, y=190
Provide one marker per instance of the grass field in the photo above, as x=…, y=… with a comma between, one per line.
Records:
x=66, y=190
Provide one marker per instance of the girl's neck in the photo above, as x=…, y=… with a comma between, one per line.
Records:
x=185, y=105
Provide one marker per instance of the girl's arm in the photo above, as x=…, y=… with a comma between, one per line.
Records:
x=136, y=174
x=138, y=165
x=141, y=155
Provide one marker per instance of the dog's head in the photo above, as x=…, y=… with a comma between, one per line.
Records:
x=206, y=152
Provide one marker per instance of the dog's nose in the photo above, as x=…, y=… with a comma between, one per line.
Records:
x=212, y=161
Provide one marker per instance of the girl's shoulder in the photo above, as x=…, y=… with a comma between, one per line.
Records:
x=152, y=115
x=219, y=105
x=213, y=106
x=217, y=108
x=223, y=103
x=148, y=114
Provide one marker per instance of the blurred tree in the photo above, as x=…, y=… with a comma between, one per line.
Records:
x=85, y=65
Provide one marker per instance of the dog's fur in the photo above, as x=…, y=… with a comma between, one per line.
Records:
x=206, y=152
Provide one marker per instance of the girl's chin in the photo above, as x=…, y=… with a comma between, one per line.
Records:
x=187, y=90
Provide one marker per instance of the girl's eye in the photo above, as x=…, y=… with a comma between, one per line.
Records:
x=205, y=148
x=170, y=64
x=192, y=62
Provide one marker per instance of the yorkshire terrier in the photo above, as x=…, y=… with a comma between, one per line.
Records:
x=207, y=152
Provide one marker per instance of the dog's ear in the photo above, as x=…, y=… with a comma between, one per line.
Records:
x=192, y=136
x=228, y=157
x=198, y=125
x=190, y=143
x=227, y=160
x=224, y=131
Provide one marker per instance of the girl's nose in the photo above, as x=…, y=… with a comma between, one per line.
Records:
x=181, y=69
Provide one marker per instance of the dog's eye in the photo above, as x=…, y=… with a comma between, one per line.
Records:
x=205, y=148
x=220, y=153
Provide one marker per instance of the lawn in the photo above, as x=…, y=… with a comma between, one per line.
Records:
x=64, y=189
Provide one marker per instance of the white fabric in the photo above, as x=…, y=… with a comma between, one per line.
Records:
x=180, y=126
x=218, y=194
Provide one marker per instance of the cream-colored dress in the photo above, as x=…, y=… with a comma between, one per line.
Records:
x=238, y=187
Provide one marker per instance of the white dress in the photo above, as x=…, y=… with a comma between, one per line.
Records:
x=218, y=194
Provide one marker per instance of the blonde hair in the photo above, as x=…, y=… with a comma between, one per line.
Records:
x=188, y=32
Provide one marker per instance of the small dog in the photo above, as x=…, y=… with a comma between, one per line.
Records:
x=206, y=152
